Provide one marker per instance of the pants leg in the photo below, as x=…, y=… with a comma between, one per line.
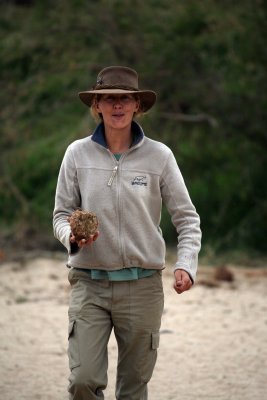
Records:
x=136, y=316
x=90, y=326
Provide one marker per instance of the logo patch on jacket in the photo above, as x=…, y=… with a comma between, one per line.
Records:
x=140, y=181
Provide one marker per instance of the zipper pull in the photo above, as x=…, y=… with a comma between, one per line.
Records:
x=114, y=172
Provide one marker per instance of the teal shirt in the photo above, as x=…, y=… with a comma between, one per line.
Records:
x=125, y=274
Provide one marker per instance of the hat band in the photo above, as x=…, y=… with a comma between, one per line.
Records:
x=123, y=87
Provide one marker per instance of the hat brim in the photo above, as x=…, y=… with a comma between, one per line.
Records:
x=147, y=97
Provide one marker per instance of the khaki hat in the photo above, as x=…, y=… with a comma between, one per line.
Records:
x=117, y=80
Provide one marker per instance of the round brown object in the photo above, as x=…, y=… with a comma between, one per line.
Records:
x=83, y=224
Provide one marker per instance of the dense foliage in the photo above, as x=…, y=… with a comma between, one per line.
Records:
x=207, y=62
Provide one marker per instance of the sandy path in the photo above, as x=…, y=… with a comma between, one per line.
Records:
x=213, y=340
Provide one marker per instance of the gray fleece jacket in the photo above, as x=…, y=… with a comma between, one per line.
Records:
x=127, y=197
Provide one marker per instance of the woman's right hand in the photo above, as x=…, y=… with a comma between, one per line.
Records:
x=83, y=242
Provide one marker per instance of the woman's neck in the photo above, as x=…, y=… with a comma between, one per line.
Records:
x=118, y=141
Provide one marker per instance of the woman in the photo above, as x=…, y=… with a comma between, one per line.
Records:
x=116, y=275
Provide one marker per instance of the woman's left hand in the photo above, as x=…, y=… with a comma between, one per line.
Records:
x=182, y=281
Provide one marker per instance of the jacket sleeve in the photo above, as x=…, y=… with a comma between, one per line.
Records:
x=183, y=215
x=67, y=199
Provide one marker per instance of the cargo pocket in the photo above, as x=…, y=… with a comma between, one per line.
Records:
x=155, y=341
x=73, y=349
x=150, y=357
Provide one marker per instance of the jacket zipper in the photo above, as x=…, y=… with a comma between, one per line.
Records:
x=110, y=182
x=113, y=174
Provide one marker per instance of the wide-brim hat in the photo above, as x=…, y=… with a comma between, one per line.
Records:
x=119, y=80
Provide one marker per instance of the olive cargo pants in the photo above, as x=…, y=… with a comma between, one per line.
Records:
x=134, y=310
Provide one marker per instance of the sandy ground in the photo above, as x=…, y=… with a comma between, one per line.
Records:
x=213, y=338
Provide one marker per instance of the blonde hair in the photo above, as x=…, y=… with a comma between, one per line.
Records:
x=98, y=116
x=95, y=114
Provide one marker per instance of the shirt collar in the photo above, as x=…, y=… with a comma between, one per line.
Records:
x=98, y=135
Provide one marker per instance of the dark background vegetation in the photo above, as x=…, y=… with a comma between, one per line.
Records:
x=205, y=59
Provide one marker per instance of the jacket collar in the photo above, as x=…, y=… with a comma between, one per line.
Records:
x=98, y=135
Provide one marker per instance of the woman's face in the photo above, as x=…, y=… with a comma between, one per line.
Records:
x=117, y=110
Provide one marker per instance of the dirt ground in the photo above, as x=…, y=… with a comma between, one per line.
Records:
x=213, y=338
